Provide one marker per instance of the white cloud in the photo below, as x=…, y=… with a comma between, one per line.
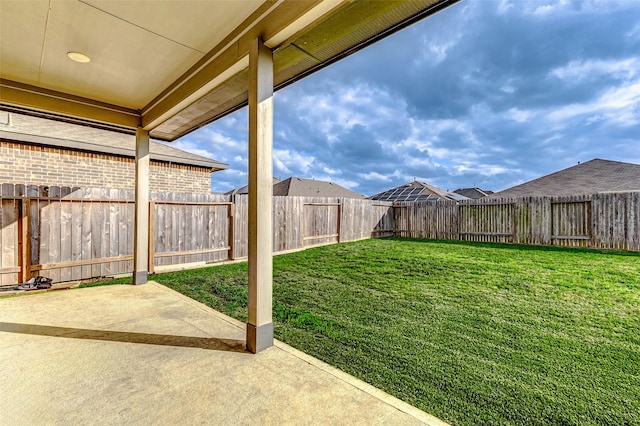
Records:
x=375, y=176
x=218, y=140
x=436, y=46
x=550, y=139
x=233, y=173
x=565, y=7
x=288, y=161
x=620, y=105
x=634, y=34
x=504, y=6
x=192, y=147
x=349, y=184
x=338, y=109
x=330, y=171
x=518, y=115
x=488, y=169
x=545, y=9
x=576, y=71
x=507, y=88
x=280, y=166
x=438, y=51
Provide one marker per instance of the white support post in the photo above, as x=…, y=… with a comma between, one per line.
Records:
x=260, y=324
x=141, y=228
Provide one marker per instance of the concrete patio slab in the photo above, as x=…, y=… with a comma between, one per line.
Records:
x=149, y=355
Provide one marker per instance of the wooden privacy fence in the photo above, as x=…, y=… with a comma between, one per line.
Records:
x=300, y=222
x=71, y=234
x=605, y=220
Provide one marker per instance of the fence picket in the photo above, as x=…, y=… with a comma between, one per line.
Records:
x=83, y=233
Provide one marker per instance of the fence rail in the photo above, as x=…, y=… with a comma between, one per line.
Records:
x=79, y=234
x=72, y=234
x=605, y=220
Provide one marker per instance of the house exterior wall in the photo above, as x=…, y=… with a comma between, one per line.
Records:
x=41, y=165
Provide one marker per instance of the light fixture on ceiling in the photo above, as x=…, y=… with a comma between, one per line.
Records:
x=79, y=57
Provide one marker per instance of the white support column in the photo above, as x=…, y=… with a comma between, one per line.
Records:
x=260, y=324
x=141, y=229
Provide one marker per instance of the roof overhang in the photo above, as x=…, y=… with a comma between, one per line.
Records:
x=172, y=67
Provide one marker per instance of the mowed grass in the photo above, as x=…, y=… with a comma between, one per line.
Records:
x=472, y=333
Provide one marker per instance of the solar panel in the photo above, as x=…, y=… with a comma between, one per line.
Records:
x=403, y=193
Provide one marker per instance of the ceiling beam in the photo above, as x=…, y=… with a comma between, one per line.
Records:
x=49, y=103
x=266, y=22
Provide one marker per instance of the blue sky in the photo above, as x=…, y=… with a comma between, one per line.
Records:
x=485, y=93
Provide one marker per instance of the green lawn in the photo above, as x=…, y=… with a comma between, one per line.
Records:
x=472, y=333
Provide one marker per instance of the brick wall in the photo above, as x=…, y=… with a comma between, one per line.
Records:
x=41, y=165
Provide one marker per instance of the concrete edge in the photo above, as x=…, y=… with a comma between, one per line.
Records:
x=398, y=404
x=339, y=374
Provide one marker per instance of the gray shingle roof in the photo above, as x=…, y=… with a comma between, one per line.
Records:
x=299, y=187
x=590, y=177
x=245, y=189
x=25, y=128
x=473, y=192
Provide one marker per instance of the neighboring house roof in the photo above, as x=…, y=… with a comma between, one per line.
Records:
x=416, y=191
x=473, y=192
x=245, y=189
x=34, y=130
x=298, y=187
x=590, y=177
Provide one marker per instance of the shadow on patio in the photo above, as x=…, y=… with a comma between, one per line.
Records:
x=149, y=355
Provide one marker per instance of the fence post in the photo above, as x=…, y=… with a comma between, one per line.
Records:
x=459, y=211
x=25, y=236
x=152, y=235
x=232, y=236
x=339, y=220
x=302, y=224
x=397, y=220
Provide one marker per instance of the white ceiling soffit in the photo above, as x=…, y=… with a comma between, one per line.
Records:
x=135, y=46
x=173, y=66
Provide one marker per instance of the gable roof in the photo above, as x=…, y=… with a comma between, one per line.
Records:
x=245, y=189
x=416, y=191
x=299, y=187
x=473, y=192
x=590, y=177
x=35, y=130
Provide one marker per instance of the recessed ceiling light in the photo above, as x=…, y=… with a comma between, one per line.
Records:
x=79, y=57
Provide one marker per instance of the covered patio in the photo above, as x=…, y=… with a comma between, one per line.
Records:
x=149, y=355
x=143, y=354
x=164, y=69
